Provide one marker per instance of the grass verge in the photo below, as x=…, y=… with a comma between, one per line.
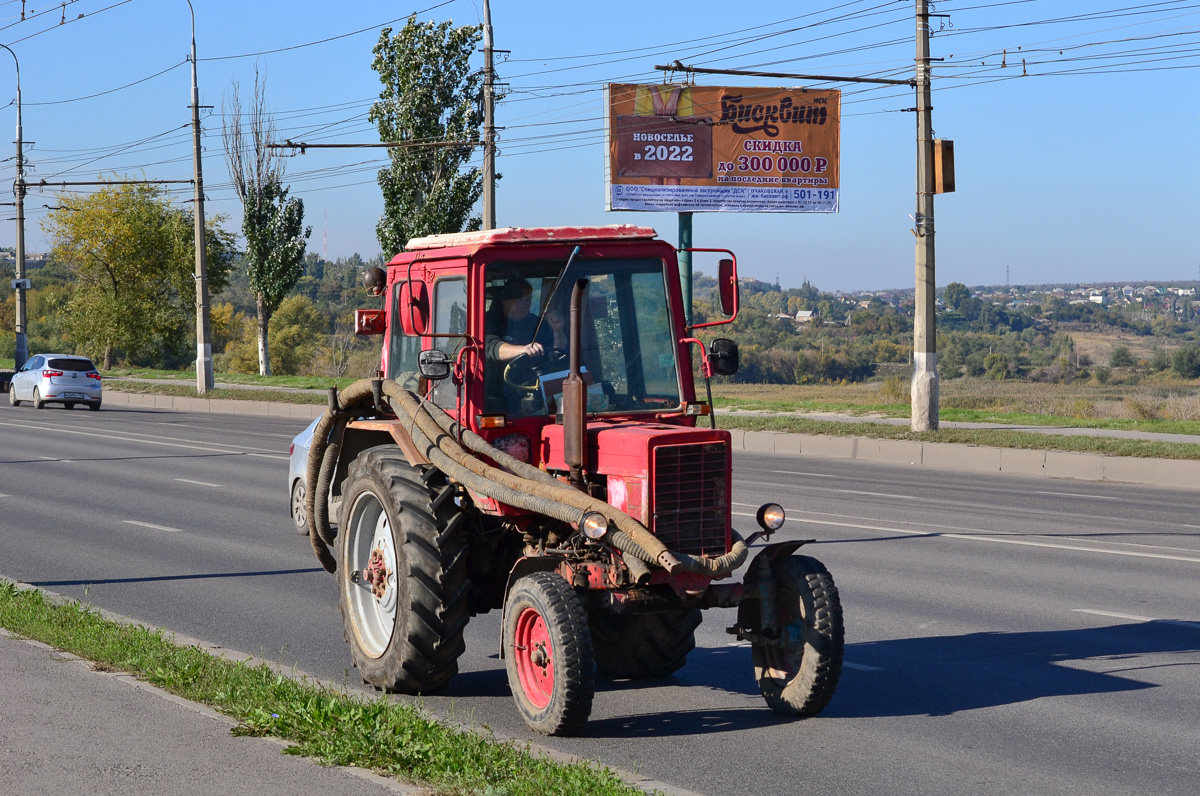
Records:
x=995, y=438
x=232, y=393
x=301, y=382
x=380, y=734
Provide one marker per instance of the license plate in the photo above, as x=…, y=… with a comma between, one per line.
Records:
x=72, y=395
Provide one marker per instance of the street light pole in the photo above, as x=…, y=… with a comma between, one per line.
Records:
x=204, y=364
x=22, y=352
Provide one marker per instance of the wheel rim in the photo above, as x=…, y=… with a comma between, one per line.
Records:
x=783, y=663
x=299, y=510
x=534, y=655
x=372, y=558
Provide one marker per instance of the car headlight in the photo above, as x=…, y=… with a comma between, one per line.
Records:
x=771, y=517
x=594, y=525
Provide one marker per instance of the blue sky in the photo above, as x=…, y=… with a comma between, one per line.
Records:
x=1086, y=169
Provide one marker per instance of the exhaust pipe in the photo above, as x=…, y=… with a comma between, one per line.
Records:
x=575, y=396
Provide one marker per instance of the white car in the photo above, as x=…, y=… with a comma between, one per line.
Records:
x=56, y=378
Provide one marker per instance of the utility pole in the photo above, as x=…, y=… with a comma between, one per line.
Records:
x=924, y=378
x=204, y=363
x=22, y=348
x=489, y=122
x=685, y=265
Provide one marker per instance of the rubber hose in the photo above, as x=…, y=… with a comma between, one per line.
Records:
x=324, y=477
x=634, y=530
x=312, y=477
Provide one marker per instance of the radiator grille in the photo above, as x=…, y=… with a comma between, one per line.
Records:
x=691, y=497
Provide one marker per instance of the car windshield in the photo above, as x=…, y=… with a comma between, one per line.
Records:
x=628, y=342
x=80, y=365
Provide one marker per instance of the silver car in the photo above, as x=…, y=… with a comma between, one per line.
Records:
x=297, y=473
x=56, y=379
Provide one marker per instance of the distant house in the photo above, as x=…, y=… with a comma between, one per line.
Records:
x=1098, y=298
x=805, y=316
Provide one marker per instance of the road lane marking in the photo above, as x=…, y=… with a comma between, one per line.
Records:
x=1075, y=494
x=198, y=483
x=152, y=525
x=992, y=536
x=793, y=472
x=54, y=459
x=191, y=446
x=862, y=667
x=1136, y=618
x=876, y=494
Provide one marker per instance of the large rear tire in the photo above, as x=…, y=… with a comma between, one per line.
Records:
x=645, y=645
x=402, y=575
x=548, y=654
x=799, y=680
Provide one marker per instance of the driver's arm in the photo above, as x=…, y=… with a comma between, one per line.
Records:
x=505, y=351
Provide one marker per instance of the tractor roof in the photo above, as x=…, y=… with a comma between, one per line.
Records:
x=533, y=235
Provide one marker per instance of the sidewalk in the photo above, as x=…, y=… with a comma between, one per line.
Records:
x=68, y=728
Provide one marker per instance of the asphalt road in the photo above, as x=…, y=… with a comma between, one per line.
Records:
x=1004, y=634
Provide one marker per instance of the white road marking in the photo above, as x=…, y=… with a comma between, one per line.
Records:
x=5, y=495
x=1074, y=494
x=152, y=525
x=1136, y=618
x=53, y=459
x=876, y=494
x=991, y=536
x=198, y=483
x=862, y=667
x=807, y=475
x=189, y=446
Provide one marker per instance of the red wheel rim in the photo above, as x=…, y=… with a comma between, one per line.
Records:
x=534, y=655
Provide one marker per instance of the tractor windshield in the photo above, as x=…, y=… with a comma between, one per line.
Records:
x=629, y=343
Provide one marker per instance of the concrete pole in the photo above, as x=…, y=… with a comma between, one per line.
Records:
x=925, y=378
x=22, y=350
x=685, y=265
x=489, y=123
x=204, y=364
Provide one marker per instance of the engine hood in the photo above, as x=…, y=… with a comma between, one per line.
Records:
x=622, y=448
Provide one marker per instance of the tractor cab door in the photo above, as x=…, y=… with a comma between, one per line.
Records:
x=428, y=309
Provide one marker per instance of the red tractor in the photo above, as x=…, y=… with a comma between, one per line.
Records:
x=532, y=445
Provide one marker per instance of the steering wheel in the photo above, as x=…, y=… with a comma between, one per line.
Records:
x=555, y=359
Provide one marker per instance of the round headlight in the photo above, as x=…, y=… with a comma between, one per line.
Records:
x=771, y=517
x=594, y=525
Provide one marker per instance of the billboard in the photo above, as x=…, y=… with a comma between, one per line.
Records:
x=698, y=149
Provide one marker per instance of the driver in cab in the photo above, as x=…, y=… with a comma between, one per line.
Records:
x=510, y=327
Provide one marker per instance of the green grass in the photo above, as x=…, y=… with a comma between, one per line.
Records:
x=996, y=438
x=300, y=382
x=377, y=733
x=189, y=391
x=8, y=364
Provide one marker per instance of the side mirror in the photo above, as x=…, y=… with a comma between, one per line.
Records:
x=433, y=364
x=728, y=287
x=414, y=308
x=723, y=357
x=369, y=322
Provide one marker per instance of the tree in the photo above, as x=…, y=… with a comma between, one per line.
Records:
x=131, y=253
x=429, y=95
x=272, y=224
x=1121, y=358
x=955, y=294
x=1186, y=362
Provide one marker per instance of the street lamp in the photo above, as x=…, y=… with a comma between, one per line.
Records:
x=22, y=352
x=204, y=363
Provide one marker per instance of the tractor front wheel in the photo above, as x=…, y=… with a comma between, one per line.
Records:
x=644, y=645
x=798, y=675
x=402, y=575
x=548, y=654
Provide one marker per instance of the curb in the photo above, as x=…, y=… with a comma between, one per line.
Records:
x=1179, y=473
x=634, y=779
